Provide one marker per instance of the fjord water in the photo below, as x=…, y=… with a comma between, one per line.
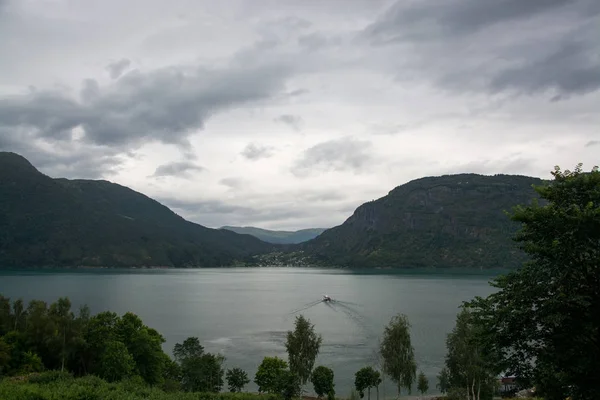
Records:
x=245, y=313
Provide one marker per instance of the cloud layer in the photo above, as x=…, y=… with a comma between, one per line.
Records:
x=235, y=114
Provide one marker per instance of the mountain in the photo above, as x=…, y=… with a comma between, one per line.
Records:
x=279, y=237
x=450, y=221
x=60, y=222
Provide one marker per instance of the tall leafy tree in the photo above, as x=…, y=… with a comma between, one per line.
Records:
x=365, y=379
x=543, y=323
x=465, y=360
x=422, y=383
x=115, y=362
x=322, y=380
x=443, y=380
x=237, y=378
x=270, y=374
x=303, y=346
x=200, y=372
x=64, y=320
x=398, y=353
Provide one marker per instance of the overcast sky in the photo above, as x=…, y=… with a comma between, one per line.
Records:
x=289, y=114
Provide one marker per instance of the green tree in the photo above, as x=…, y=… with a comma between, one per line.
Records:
x=302, y=346
x=542, y=324
x=422, y=383
x=144, y=345
x=115, y=362
x=365, y=379
x=270, y=374
x=190, y=348
x=398, y=353
x=4, y=357
x=200, y=372
x=465, y=362
x=237, y=378
x=64, y=320
x=322, y=380
x=289, y=385
x=443, y=380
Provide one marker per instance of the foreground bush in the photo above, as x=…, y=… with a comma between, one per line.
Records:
x=62, y=387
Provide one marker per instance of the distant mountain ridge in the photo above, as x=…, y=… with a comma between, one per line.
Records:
x=277, y=237
x=449, y=221
x=60, y=222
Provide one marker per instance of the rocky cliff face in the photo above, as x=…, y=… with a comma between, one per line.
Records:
x=447, y=221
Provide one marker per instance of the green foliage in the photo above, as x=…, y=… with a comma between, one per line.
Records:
x=270, y=373
x=190, y=348
x=451, y=221
x=366, y=378
x=115, y=362
x=443, y=380
x=422, y=383
x=547, y=311
x=200, y=372
x=93, y=388
x=398, y=353
x=322, y=380
x=289, y=385
x=49, y=376
x=465, y=361
x=59, y=222
x=237, y=378
x=302, y=346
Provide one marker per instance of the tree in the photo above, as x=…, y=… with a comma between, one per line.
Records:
x=270, y=374
x=365, y=379
x=190, y=347
x=322, y=380
x=302, y=347
x=4, y=356
x=237, y=378
x=144, y=345
x=289, y=385
x=542, y=323
x=398, y=353
x=64, y=319
x=443, y=380
x=200, y=372
x=422, y=383
x=115, y=363
x=465, y=362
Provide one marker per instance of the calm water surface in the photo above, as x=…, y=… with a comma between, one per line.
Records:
x=245, y=313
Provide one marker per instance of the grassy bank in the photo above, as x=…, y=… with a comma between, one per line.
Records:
x=92, y=388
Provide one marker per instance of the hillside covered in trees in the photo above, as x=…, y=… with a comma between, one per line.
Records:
x=447, y=221
x=60, y=222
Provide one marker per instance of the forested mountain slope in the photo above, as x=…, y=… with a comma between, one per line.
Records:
x=60, y=222
x=447, y=221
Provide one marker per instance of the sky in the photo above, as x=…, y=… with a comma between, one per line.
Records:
x=288, y=114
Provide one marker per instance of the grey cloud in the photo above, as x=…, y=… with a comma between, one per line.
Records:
x=181, y=169
x=69, y=160
x=116, y=69
x=216, y=213
x=294, y=121
x=164, y=105
x=256, y=152
x=495, y=46
x=592, y=143
x=453, y=17
x=345, y=154
x=232, y=182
